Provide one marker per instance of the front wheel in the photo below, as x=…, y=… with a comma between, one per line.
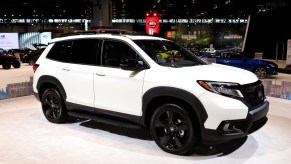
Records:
x=53, y=107
x=6, y=65
x=261, y=72
x=173, y=130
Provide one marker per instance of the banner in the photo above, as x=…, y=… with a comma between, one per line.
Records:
x=9, y=40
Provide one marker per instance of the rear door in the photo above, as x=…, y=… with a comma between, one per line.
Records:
x=76, y=71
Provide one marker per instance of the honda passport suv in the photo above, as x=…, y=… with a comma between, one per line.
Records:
x=120, y=78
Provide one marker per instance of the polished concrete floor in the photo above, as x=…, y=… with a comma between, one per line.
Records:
x=27, y=137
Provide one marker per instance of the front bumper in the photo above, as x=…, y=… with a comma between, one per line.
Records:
x=232, y=129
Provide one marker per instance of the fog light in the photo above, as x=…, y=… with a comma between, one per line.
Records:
x=230, y=128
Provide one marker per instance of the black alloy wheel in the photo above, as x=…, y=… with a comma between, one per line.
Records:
x=261, y=72
x=53, y=106
x=6, y=65
x=173, y=130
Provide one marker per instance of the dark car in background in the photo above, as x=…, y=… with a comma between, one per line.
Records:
x=33, y=55
x=261, y=68
x=8, y=59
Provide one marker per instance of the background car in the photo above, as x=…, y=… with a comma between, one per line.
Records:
x=33, y=55
x=7, y=59
x=261, y=68
x=20, y=53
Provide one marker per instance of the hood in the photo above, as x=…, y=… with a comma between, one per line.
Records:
x=217, y=72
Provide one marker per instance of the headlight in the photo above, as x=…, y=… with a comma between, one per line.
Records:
x=223, y=88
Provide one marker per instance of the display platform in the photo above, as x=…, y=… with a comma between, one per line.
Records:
x=27, y=137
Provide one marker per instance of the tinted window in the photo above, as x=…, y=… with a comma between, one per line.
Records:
x=84, y=51
x=214, y=56
x=116, y=53
x=60, y=51
x=168, y=53
x=233, y=56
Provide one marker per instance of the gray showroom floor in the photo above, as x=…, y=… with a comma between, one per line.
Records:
x=27, y=137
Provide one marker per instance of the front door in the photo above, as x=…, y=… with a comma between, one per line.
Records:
x=117, y=89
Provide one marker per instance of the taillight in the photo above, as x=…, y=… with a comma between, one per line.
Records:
x=35, y=66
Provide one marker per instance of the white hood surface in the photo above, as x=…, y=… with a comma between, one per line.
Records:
x=218, y=72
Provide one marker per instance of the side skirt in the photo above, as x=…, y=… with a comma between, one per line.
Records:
x=104, y=116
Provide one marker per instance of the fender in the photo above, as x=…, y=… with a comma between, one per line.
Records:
x=49, y=80
x=186, y=96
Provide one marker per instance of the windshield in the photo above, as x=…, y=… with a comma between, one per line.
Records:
x=167, y=53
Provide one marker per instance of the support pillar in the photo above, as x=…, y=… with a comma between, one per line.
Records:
x=101, y=14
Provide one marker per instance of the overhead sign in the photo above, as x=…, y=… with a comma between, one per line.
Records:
x=152, y=25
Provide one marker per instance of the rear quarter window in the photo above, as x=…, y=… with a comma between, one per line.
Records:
x=60, y=51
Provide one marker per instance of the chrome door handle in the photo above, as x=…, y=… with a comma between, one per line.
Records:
x=100, y=74
x=65, y=69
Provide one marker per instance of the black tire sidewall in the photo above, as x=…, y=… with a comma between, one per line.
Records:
x=192, y=139
x=16, y=64
x=6, y=65
x=63, y=113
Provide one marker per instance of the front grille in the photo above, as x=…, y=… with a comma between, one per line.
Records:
x=253, y=93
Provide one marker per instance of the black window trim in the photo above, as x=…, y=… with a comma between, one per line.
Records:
x=103, y=40
x=70, y=52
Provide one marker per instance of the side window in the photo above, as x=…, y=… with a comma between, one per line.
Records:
x=60, y=51
x=215, y=55
x=84, y=51
x=235, y=56
x=116, y=53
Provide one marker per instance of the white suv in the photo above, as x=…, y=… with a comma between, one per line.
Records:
x=125, y=79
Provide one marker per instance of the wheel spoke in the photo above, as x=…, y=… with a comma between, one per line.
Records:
x=47, y=102
x=170, y=117
x=48, y=111
x=177, y=141
x=182, y=127
x=55, y=113
x=158, y=124
x=165, y=139
x=57, y=106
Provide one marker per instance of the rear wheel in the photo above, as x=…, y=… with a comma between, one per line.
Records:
x=53, y=107
x=173, y=130
x=16, y=64
x=261, y=72
x=31, y=62
x=6, y=65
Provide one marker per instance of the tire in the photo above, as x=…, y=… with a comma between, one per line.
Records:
x=6, y=65
x=172, y=129
x=31, y=62
x=53, y=106
x=16, y=64
x=261, y=72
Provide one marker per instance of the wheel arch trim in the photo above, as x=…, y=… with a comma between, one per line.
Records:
x=50, y=80
x=177, y=93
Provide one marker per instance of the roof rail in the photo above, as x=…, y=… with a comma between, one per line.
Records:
x=99, y=31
